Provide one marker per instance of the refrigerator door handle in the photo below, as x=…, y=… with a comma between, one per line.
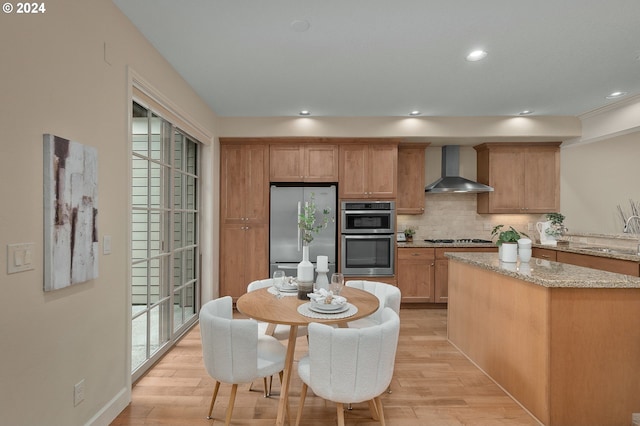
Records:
x=297, y=226
x=288, y=266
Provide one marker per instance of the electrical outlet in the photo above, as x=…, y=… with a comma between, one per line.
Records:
x=530, y=226
x=78, y=392
x=487, y=226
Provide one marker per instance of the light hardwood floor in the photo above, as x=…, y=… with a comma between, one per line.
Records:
x=433, y=384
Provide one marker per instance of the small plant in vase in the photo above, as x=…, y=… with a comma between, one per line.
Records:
x=409, y=233
x=507, y=241
x=309, y=224
x=557, y=227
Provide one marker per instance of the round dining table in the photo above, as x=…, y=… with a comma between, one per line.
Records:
x=264, y=305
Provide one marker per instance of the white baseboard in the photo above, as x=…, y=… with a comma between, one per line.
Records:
x=111, y=410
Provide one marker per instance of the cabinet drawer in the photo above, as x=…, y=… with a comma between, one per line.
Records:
x=416, y=253
x=442, y=250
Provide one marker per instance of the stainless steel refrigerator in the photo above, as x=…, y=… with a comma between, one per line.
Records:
x=285, y=242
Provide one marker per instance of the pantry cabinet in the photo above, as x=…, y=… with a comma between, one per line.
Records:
x=525, y=177
x=244, y=216
x=302, y=162
x=368, y=170
x=411, y=179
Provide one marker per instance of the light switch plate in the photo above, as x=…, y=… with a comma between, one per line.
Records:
x=106, y=244
x=19, y=257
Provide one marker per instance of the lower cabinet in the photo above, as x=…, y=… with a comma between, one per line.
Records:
x=620, y=266
x=543, y=253
x=423, y=273
x=441, y=294
x=416, y=274
x=246, y=257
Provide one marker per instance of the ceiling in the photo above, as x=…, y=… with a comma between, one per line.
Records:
x=257, y=58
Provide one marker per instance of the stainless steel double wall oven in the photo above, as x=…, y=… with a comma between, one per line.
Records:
x=368, y=238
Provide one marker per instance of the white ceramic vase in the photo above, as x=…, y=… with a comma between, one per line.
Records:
x=305, y=268
x=509, y=252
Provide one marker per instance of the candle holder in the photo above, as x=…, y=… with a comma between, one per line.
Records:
x=321, y=280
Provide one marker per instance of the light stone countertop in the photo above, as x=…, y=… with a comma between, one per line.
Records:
x=548, y=274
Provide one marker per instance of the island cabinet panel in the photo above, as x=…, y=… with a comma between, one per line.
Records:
x=569, y=355
x=441, y=284
x=627, y=267
x=368, y=170
x=415, y=273
x=304, y=162
x=411, y=179
x=525, y=177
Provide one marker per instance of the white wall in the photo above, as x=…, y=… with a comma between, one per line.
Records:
x=65, y=72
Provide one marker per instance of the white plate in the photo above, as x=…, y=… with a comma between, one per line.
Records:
x=327, y=308
x=289, y=289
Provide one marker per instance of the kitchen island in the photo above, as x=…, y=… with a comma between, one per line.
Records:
x=562, y=340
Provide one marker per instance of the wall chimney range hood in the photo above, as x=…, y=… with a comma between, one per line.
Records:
x=451, y=181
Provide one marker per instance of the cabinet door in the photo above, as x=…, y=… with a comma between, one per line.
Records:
x=542, y=180
x=321, y=163
x=507, y=179
x=256, y=183
x=232, y=260
x=410, y=180
x=286, y=163
x=619, y=266
x=416, y=274
x=353, y=171
x=441, y=285
x=382, y=171
x=256, y=253
x=232, y=194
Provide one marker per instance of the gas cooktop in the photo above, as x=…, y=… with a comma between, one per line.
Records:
x=459, y=240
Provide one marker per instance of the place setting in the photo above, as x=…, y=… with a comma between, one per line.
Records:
x=327, y=303
x=283, y=285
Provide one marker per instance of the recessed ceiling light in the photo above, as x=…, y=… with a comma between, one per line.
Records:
x=305, y=112
x=615, y=95
x=526, y=112
x=415, y=113
x=300, y=25
x=476, y=55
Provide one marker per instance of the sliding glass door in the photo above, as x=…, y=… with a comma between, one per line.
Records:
x=165, y=278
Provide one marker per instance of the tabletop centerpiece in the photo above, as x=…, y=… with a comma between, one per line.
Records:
x=309, y=224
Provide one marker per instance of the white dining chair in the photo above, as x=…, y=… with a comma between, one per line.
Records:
x=388, y=295
x=279, y=331
x=234, y=352
x=348, y=366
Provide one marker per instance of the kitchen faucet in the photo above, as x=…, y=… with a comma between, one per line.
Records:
x=626, y=225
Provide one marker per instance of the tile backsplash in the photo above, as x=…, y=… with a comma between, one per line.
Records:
x=455, y=216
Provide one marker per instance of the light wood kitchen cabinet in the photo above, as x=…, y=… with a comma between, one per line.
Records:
x=244, y=216
x=411, y=179
x=244, y=183
x=416, y=274
x=303, y=162
x=368, y=170
x=542, y=253
x=525, y=177
x=244, y=257
x=620, y=266
x=441, y=281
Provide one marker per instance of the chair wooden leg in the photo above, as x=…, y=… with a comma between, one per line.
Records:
x=232, y=400
x=374, y=410
x=378, y=403
x=303, y=395
x=266, y=388
x=340, y=412
x=213, y=398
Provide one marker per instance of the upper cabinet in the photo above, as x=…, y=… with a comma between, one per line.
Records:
x=368, y=170
x=302, y=162
x=411, y=180
x=525, y=177
x=244, y=183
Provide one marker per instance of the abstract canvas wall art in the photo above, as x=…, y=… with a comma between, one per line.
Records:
x=70, y=213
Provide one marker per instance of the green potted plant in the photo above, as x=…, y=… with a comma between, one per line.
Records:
x=409, y=232
x=557, y=227
x=507, y=241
